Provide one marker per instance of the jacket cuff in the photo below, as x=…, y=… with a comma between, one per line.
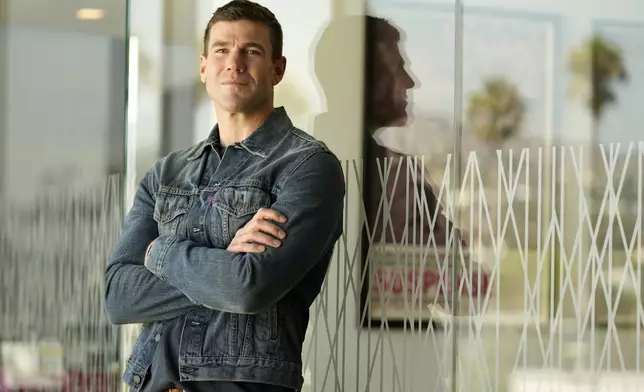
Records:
x=157, y=254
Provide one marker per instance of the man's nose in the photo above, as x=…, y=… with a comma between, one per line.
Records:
x=410, y=80
x=235, y=62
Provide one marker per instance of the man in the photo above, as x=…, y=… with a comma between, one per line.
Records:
x=228, y=242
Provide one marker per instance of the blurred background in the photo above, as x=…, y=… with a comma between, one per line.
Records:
x=526, y=115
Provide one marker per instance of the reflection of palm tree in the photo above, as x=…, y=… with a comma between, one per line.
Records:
x=595, y=66
x=495, y=113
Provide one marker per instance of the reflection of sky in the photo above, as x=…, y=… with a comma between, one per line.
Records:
x=497, y=43
x=623, y=121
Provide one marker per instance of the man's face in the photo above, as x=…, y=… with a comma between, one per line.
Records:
x=238, y=69
x=388, y=87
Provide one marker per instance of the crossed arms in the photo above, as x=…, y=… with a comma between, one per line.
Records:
x=180, y=275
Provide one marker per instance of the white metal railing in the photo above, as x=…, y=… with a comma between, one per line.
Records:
x=564, y=259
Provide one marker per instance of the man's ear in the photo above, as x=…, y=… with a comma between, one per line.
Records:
x=202, y=68
x=279, y=67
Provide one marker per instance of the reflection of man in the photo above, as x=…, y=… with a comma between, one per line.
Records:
x=408, y=212
x=239, y=231
x=400, y=203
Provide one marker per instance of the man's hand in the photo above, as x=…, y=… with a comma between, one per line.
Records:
x=259, y=233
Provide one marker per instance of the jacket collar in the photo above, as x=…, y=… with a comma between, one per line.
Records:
x=261, y=142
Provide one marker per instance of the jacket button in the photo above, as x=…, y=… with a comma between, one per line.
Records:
x=137, y=379
x=157, y=338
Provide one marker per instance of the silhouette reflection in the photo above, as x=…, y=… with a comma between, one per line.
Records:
x=406, y=235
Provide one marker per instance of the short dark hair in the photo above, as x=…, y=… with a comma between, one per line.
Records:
x=251, y=11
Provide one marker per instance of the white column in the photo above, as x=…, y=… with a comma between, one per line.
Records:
x=144, y=111
x=147, y=24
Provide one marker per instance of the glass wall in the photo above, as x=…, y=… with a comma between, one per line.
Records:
x=516, y=123
x=63, y=73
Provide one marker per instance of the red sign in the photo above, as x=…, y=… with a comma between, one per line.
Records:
x=389, y=281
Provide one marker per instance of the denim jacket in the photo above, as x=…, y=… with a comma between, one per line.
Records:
x=244, y=315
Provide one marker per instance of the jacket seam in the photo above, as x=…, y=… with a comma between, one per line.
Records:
x=164, y=251
x=310, y=139
x=267, y=359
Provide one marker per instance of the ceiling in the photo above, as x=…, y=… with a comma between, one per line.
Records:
x=59, y=15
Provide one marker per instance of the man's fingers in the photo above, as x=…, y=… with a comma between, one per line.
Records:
x=267, y=213
x=268, y=228
x=245, y=247
x=259, y=233
x=262, y=239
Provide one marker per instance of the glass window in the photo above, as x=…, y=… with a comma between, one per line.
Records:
x=62, y=146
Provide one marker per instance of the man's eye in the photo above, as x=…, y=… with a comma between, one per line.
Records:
x=220, y=50
x=251, y=51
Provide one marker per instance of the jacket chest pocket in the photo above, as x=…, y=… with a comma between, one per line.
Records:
x=236, y=206
x=170, y=213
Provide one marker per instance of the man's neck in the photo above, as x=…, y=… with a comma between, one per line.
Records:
x=235, y=127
